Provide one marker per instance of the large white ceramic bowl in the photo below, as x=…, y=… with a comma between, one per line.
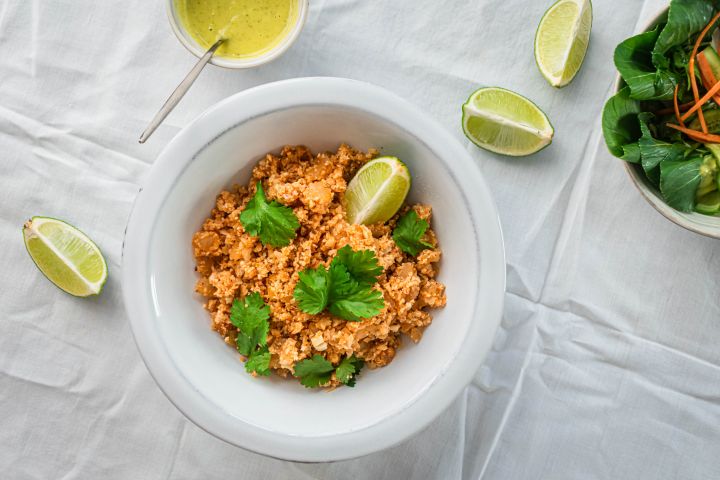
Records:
x=695, y=222
x=203, y=376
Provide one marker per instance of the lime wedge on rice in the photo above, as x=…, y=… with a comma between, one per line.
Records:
x=562, y=39
x=377, y=191
x=66, y=256
x=504, y=122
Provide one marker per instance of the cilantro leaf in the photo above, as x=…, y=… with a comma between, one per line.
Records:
x=364, y=302
x=312, y=289
x=250, y=315
x=362, y=265
x=350, y=300
x=341, y=283
x=259, y=362
x=408, y=232
x=273, y=222
x=314, y=371
x=348, y=370
x=345, y=289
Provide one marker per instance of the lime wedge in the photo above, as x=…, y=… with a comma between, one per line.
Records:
x=66, y=256
x=562, y=39
x=504, y=122
x=377, y=191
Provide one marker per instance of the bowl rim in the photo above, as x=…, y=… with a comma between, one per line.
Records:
x=441, y=391
x=638, y=179
x=190, y=45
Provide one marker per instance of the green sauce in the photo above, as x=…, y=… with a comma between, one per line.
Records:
x=250, y=27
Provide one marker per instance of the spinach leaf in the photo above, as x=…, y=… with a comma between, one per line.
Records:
x=633, y=59
x=685, y=18
x=620, y=123
x=654, y=151
x=631, y=152
x=679, y=182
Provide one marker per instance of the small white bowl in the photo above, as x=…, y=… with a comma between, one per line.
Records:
x=696, y=222
x=193, y=47
x=204, y=377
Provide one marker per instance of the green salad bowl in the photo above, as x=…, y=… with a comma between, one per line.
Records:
x=695, y=222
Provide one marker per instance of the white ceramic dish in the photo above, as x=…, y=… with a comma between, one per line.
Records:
x=695, y=222
x=203, y=376
x=193, y=47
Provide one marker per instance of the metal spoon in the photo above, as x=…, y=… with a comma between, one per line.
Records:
x=179, y=92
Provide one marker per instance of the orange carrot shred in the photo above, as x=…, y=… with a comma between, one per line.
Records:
x=707, y=75
x=691, y=69
x=683, y=107
x=696, y=135
x=698, y=105
x=677, y=109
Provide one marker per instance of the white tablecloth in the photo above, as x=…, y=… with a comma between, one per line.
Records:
x=607, y=364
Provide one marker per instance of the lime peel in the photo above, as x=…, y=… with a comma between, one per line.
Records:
x=505, y=122
x=559, y=51
x=377, y=191
x=546, y=133
x=57, y=248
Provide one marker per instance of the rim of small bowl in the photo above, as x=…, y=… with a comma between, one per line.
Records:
x=192, y=46
x=648, y=191
x=441, y=390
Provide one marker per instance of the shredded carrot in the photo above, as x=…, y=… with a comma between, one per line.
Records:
x=696, y=135
x=707, y=75
x=698, y=105
x=677, y=108
x=691, y=69
x=696, y=95
x=683, y=107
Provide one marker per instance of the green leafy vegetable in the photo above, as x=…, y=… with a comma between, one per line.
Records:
x=361, y=265
x=250, y=315
x=633, y=59
x=620, y=122
x=679, y=182
x=345, y=289
x=636, y=121
x=654, y=151
x=348, y=370
x=273, y=222
x=408, y=233
x=686, y=18
x=631, y=152
x=360, y=303
x=259, y=362
x=312, y=290
x=314, y=371
x=350, y=299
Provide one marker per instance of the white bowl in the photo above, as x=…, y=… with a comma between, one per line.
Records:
x=203, y=376
x=193, y=47
x=696, y=222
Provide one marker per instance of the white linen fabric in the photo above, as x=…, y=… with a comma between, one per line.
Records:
x=606, y=366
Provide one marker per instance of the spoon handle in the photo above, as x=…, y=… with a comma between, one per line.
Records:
x=179, y=92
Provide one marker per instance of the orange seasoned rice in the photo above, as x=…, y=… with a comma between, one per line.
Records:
x=231, y=263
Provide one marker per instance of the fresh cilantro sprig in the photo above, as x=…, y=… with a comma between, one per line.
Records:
x=317, y=371
x=313, y=289
x=361, y=265
x=250, y=315
x=274, y=223
x=408, y=233
x=348, y=370
x=345, y=289
x=314, y=371
x=259, y=362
